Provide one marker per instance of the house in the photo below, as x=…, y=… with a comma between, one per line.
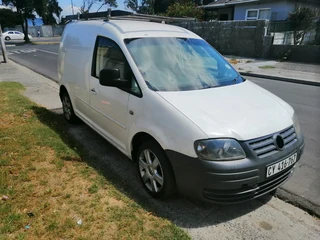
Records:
x=274, y=10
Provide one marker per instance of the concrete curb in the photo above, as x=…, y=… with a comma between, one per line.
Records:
x=44, y=43
x=298, y=201
x=293, y=80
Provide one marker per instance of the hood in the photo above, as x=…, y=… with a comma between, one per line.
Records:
x=242, y=111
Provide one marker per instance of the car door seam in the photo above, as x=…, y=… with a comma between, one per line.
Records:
x=111, y=119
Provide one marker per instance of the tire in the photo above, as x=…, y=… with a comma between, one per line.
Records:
x=155, y=170
x=68, y=112
x=7, y=38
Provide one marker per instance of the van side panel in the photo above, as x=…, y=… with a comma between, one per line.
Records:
x=78, y=50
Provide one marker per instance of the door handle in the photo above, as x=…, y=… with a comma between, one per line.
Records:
x=93, y=91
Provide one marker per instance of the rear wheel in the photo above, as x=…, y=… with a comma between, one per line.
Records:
x=68, y=109
x=155, y=170
x=7, y=38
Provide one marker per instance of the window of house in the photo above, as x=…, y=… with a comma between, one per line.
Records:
x=264, y=13
x=255, y=14
x=252, y=14
x=107, y=54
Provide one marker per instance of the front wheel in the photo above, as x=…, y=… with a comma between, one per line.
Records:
x=155, y=170
x=68, y=112
x=7, y=38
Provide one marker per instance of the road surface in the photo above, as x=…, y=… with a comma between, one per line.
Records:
x=304, y=185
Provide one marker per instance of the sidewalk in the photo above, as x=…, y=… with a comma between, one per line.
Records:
x=46, y=40
x=39, y=89
x=285, y=71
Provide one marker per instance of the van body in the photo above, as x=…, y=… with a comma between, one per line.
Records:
x=169, y=101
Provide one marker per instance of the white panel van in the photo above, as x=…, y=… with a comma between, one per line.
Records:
x=170, y=102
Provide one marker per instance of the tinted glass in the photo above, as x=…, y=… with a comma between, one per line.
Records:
x=177, y=64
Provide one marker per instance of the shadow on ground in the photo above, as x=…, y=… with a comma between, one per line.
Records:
x=122, y=172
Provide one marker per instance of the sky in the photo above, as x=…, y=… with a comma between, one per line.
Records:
x=67, y=10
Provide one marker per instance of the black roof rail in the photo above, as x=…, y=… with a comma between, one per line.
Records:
x=125, y=15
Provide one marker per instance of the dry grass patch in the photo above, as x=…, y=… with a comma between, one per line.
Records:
x=53, y=193
x=267, y=67
x=233, y=61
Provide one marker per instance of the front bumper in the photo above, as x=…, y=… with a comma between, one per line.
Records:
x=231, y=181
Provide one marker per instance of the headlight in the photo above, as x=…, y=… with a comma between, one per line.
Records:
x=219, y=149
x=296, y=124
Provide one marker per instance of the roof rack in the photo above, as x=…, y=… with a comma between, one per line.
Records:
x=124, y=15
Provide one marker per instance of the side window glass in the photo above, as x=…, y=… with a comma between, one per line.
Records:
x=16, y=32
x=135, y=87
x=109, y=55
x=10, y=32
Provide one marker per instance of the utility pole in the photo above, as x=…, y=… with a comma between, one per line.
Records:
x=72, y=7
x=3, y=47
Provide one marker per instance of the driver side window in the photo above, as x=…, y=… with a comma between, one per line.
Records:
x=107, y=54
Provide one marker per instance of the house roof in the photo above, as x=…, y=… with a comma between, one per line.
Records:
x=225, y=3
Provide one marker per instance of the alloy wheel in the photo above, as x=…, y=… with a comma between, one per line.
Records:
x=67, y=109
x=151, y=171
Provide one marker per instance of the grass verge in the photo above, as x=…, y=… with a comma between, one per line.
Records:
x=52, y=191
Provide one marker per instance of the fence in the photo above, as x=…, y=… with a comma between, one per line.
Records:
x=45, y=30
x=283, y=33
x=240, y=38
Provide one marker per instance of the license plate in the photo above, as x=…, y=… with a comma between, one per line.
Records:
x=282, y=165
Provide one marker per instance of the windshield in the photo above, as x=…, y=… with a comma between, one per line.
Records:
x=180, y=64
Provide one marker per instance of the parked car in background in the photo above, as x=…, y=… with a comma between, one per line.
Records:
x=14, y=35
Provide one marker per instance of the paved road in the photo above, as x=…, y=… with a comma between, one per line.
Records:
x=305, y=99
x=42, y=59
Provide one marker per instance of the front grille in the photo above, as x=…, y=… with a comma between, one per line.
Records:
x=247, y=193
x=265, y=146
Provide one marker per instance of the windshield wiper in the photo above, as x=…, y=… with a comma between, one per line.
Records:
x=151, y=86
x=233, y=81
x=236, y=79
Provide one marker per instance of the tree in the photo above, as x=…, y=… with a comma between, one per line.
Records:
x=25, y=10
x=49, y=10
x=161, y=6
x=302, y=18
x=87, y=4
x=185, y=8
x=9, y=18
x=141, y=6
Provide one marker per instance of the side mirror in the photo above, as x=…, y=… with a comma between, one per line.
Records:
x=111, y=78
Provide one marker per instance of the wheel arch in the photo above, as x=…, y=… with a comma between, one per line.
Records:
x=140, y=138
x=62, y=90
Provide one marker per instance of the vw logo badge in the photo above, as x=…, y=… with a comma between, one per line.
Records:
x=278, y=141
